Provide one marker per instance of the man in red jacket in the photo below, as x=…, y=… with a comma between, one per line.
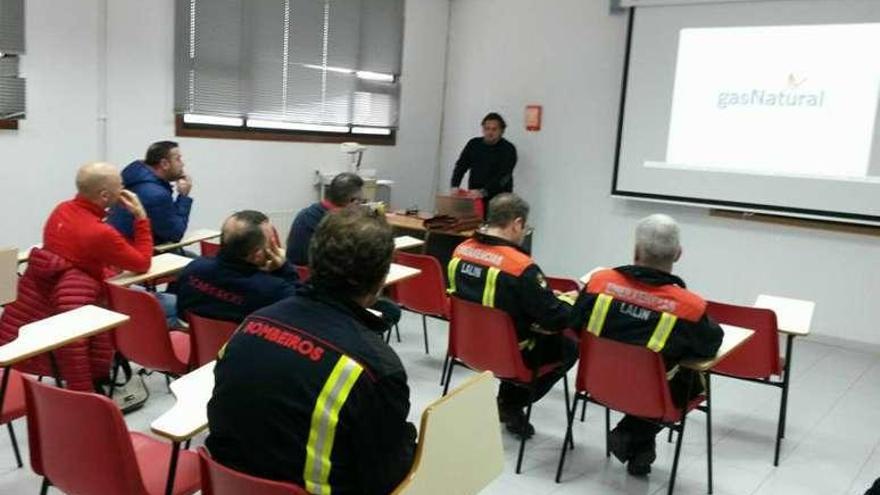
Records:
x=76, y=230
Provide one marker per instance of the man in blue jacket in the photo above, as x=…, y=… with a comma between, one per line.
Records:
x=249, y=272
x=151, y=180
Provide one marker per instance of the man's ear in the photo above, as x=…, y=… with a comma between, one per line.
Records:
x=678, y=255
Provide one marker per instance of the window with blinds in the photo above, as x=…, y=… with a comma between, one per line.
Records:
x=312, y=66
x=12, y=104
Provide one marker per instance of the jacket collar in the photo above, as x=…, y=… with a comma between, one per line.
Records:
x=651, y=276
x=492, y=240
x=237, y=265
x=87, y=205
x=348, y=306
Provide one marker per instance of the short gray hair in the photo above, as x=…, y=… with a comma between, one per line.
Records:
x=657, y=240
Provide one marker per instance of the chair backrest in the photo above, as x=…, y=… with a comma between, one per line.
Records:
x=303, y=272
x=485, y=339
x=218, y=479
x=460, y=434
x=80, y=442
x=208, y=336
x=759, y=356
x=209, y=249
x=144, y=339
x=625, y=377
x=563, y=284
x=425, y=293
x=8, y=275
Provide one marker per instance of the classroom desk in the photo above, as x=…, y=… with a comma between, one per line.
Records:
x=407, y=242
x=25, y=254
x=49, y=334
x=189, y=415
x=416, y=223
x=733, y=338
x=162, y=265
x=189, y=238
x=398, y=273
x=8, y=275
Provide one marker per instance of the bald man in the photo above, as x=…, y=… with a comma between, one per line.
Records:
x=249, y=273
x=76, y=230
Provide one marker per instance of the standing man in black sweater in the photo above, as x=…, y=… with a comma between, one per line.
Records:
x=490, y=160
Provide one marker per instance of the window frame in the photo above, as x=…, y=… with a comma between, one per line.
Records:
x=209, y=131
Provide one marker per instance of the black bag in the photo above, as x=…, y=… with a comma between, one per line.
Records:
x=132, y=394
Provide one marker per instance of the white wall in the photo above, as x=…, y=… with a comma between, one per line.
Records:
x=66, y=84
x=505, y=54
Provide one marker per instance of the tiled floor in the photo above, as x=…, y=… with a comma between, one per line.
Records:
x=832, y=445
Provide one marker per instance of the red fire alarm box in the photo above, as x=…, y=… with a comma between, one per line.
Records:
x=533, y=118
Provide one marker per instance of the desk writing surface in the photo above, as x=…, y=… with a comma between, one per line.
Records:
x=25, y=254
x=733, y=338
x=417, y=223
x=407, y=242
x=398, y=273
x=586, y=278
x=189, y=238
x=59, y=330
x=793, y=316
x=8, y=275
x=162, y=265
x=189, y=415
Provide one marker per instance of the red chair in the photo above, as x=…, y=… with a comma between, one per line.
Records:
x=303, y=272
x=209, y=249
x=563, y=284
x=631, y=379
x=11, y=405
x=208, y=336
x=757, y=360
x=218, y=479
x=145, y=338
x=485, y=339
x=424, y=294
x=80, y=444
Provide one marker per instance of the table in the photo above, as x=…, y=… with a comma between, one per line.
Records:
x=398, y=273
x=25, y=254
x=189, y=415
x=162, y=265
x=49, y=334
x=189, y=238
x=407, y=242
x=416, y=223
x=8, y=275
x=733, y=338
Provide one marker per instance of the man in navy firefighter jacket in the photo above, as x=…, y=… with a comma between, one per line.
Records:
x=307, y=391
x=248, y=273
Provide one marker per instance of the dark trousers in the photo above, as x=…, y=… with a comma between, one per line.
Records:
x=684, y=386
x=548, y=349
x=390, y=311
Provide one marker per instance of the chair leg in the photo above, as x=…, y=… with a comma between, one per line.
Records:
x=522, y=440
x=425, y=331
x=187, y=443
x=113, y=377
x=584, y=412
x=607, y=432
x=14, y=444
x=388, y=336
x=448, y=376
x=568, y=437
x=669, y=439
x=44, y=488
x=443, y=373
x=397, y=332
x=677, y=455
x=709, y=429
x=567, y=405
x=780, y=426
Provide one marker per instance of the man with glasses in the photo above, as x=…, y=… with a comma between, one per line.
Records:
x=492, y=269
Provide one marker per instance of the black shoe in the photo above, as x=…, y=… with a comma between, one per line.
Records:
x=640, y=463
x=620, y=444
x=515, y=420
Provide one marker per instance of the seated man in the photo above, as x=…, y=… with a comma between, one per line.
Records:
x=79, y=251
x=248, y=273
x=306, y=390
x=345, y=189
x=151, y=179
x=645, y=304
x=491, y=268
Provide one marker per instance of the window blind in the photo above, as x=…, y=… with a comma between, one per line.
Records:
x=12, y=95
x=290, y=63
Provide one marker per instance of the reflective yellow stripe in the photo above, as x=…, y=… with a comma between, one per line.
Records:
x=489, y=290
x=451, y=270
x=323, y=427
x=662, y=331
x=527, y=345
x=222, y=351
x=597, y=316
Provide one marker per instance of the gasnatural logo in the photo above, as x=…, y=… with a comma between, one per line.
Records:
x=792, y=97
